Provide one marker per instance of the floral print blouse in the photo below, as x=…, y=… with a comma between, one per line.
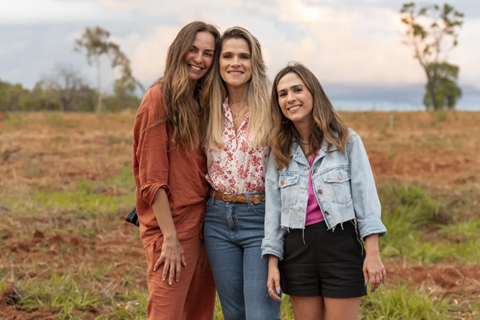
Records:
x=237, y=168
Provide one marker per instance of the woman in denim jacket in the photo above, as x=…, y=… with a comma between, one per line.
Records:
x=321, y=200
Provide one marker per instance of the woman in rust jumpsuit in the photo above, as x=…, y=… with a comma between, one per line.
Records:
x=171, y=190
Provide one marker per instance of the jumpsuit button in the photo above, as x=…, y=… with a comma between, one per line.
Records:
x=282, y=182
x=326, y=212
x=320, y=191
x=315, y=170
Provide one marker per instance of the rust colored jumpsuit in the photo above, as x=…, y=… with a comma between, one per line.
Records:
x=156, y=165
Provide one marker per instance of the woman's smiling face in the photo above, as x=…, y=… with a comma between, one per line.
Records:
x=199, y=58
x=294, y=98
x=235, y=62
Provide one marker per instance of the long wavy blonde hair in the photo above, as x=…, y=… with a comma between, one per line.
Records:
x=257, y=95
x=177, y=87
x=326, y=123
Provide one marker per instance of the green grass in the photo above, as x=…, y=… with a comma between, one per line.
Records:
x=408, y=210
x=74, y=300
x=401, y=303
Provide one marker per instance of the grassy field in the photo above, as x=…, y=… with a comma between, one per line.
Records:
x=66, y=184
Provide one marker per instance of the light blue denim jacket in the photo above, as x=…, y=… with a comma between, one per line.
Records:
x=343, y=185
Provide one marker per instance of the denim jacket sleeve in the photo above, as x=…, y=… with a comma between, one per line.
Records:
x=364, y=193
x=272, y=243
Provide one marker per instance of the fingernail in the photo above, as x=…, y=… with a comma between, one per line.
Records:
x=170, y=283
x=383, y=282
x=373, y=290
x=176, y=280
x=163, y=279
x=278, y=291
x=365, y=283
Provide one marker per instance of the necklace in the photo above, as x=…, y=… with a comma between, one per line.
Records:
x=302, y=142
x=237, y=113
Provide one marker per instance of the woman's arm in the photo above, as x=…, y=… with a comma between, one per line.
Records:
x=273, y=282
x=151, y=144
x=172, y=253
x=373, y=268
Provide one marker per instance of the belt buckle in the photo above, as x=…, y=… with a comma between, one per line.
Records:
x=256, y=199
x=223, y=196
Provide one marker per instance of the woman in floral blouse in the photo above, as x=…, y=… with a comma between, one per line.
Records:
x=238, y=123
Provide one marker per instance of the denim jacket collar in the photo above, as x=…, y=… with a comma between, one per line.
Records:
x=297, y=152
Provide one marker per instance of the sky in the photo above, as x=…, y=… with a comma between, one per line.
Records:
x=354, y=47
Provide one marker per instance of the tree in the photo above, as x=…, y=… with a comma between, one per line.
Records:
x=446, y=90
x=95, y=41
x=66, y=82
x=431, y=32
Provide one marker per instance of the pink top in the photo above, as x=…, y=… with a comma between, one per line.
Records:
x=314, y=213
x=236, y=167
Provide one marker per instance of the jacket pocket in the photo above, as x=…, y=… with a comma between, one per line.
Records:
x=338, y=181
x=288, y=184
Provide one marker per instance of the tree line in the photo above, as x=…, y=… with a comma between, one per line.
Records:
x=65, y=90
x=431, y=31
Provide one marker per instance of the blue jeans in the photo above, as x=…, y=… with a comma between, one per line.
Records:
x=233, y=235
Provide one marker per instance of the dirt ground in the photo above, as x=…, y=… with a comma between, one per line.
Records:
x=49, y=152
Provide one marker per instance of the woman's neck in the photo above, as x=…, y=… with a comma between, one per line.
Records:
x=236, y=96
x=303, y=130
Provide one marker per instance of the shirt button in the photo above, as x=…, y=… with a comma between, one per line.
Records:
x=305, y=169
x=326, y=212
x=315, y=171
x=320, y=191
x=282, y=182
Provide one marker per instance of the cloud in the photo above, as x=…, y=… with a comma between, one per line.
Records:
x=347, y=43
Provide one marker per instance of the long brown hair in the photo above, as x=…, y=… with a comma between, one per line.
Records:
x=327, y=122
x=257, y=95
x=177, y=87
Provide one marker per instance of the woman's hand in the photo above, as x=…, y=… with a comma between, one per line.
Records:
x=373, y=268
x=173, y=258
x=273, y=282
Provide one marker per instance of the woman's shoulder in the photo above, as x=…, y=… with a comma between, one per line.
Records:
x=352, y=135
x=152, y=102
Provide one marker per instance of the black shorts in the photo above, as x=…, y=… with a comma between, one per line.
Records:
x=327, y=264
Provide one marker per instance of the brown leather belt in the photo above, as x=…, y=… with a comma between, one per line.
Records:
x=242, y=198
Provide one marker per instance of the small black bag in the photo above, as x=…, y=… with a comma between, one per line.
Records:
x=132, y=216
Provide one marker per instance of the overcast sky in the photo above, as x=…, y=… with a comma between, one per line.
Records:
x=353, y=46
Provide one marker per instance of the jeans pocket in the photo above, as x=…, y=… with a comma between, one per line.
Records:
x=258, y=209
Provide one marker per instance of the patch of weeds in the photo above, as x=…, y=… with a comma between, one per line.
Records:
x=60, y=291
x=286, y=311
x=82, y=204
x=132, y=305
x=401, y=303
x=469, y=228
x=33, y=170
x=124, y=179
x=99, y=273
x=58, y=139
x=55, y=119
x=15, y=121
x=408, y=209
x=383, y=129
x=439, y=115
x=3, y=284
x=86, y=232
x=115, y=140
x=430, y=144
